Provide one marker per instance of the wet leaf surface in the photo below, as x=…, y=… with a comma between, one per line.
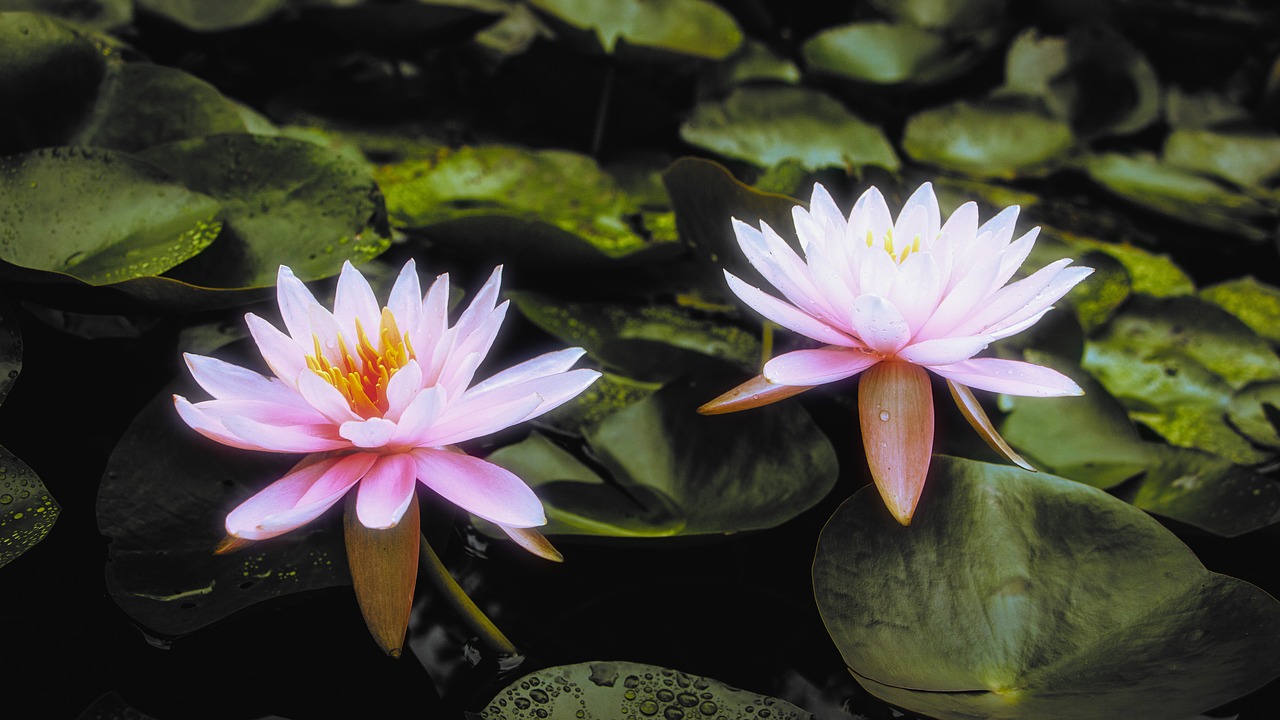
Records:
x=27, y=511
x=688, y=27
x=987, y=139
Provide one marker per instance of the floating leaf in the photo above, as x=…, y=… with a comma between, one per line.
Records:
x=727, y=473
x=99, y=216
x=1255, y=412
x=212, y=17
x=100, y=14
x=988, y=139
x=162, y=503
x=49, y=75
x=1149, y=273
x=27, y=512
x=1205, y=491
x=1022, y=595
x=603, y=398
x=1189, y=197
x=1255, y=303
x=1246, y=159
x=954, y=15
x=756, y=62
x=284, y=202
x=141, y=105
x=607, y=690
x=688, y=27
x=1102, y=447
x=649, y=342
x=766, y=125
x=511, y=200
x=887, y=54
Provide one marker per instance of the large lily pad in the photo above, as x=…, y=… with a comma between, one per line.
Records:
x=1023, y=595
x=212, y=17
x=1246, y=159
x=769, y=124
x=1255, y=303
x=989, y=139
x=646, y=341
x=886, y=54
x=99, y=216
x=608, y=690
x=510, y=200
x=1255, y=412
x=27, y=511
x=284, y=201
x=162, y=503
x=688, y=27
x=1205, y=491
x=1149, y=273
x=952, y=15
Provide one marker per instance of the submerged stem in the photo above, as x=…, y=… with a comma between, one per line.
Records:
x=480, y=623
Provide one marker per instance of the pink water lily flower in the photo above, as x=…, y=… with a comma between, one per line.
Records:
x=891, y=299
x=377, y=397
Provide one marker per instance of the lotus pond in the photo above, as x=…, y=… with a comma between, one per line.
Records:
x=995, y=286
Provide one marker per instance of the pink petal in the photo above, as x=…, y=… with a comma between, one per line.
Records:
x=957, y=233
x=961, y=301
x=834, y=281
x=326, y=399
x=433, y=323
x=1017, y=327
x=777, y=263
x=895, y=409
x=481, y=306
x=753, y=393
x=879, y=324
x=470, y=350
x=1061, y=285
x=786, y=315
x=877, y=271
x=551, y=392
x=1027, y=293
x=405, y=300
x=479, y=424
x=375, y=432
x=479, y=487
x=279, y=507
x=303, y=316
x=1012, y=257
x=917, y=289
x=209, y=427
x=285, y=358
x=285, y=438
x=551, y=363
x=386, y=491
x=354, y=302
x=402, y=388
x=1009, y=377
x=223, y=380
x=824, y=209
x=818, y=366
x=418, y=417
x=944, y=351
x=809, y=229
x=870, y=215
x=261, y=411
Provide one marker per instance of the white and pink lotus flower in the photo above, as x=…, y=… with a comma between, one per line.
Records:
x=891, y=299
x=377, y=397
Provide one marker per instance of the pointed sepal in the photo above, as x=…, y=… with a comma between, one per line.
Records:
x=977, y=417
x=751, y=394
x=533, y=541
x=384, y=571
x=230, y=544
x=895, y=408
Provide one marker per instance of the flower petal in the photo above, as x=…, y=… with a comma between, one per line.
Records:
x=279, y=507
x=375, y=432
x=209, y=426
x=546, y=364
x=418, y=417
x=479, y=424
x=405, y=300
x=325, y=398
x=303, y=316
x=777, y=263
x=386, y=491
x=879, y=324
x=788, y=316
x=354, y=302
x=1009, y=377
x=223, y=380
x=285, y=358
x=824, y=208
x=944, y=351
x=261, y=411
x=479, y=487
x=753, y=393
x=402, y=388
x=550, y=392
x=917, y=288
x=895, y=408
x=818, y=366
x=284, y=438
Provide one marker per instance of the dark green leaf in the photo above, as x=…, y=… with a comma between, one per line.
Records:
x=1255, y=412
x=27, y=512
x=1257, y=304
x=1022, y=595
x=99, y=216
x=688, y=27
x=285, y=202
x=1205, y=491
x=10, y=349
x=213, y=16
x=608, y=690
x=953, y=15
x=1149, y=273
x=988, y=139
x=887, y=54
x=1246, y=159
x=766, y=125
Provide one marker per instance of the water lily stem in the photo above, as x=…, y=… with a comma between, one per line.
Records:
x=602, y=110
x=766, y=343
x=480, y=623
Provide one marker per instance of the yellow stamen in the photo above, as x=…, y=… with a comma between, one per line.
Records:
x=363, y=377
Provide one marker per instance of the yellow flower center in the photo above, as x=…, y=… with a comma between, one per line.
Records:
x=362, y=378
x=887, y=244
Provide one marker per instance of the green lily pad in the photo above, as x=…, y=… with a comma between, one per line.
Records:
x=1246, y=159
x=162, y=503
x=10, y=349
x=988, y=139
x=1097, y=298
x=887, y=54
x=1205, y=491
x=688, y=27
x=953, y=15
x=1149, y=273
x=1255, y=412
x=1023, y=595
x=141, y=105
x=49, y=75
x=508, y=200
x=213, y=17
x=766, y=125
x=1174, y=363
x=755, y=62
x=98, y=14
x=727, y=473
x=1187, y=196
x=1102, y=447
x=645, y=341
x=578, y=502
x=99, y=216
x=608, y=690
x=27, y=511
x=606, y=396
x=1255, y=303
x=284, y=202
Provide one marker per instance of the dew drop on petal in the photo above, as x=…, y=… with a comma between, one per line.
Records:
x=884, y=416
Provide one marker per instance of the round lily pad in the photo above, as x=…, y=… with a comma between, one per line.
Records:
x=988, y=139
x=1255, y=303
x=1246, y=159
x=27, y=511
x=886, y=54
x=212, y=17
x=608, y=690
x=1023, y=595
x=688, y=27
